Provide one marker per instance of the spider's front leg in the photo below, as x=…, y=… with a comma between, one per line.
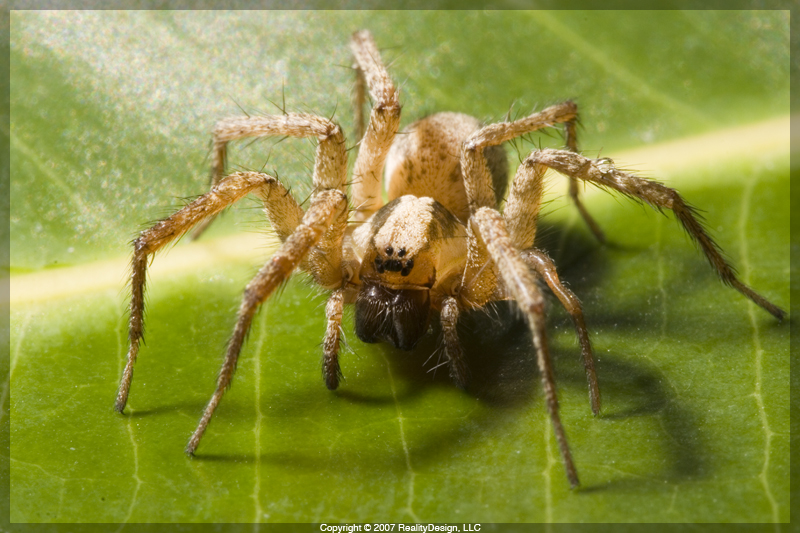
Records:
x=521, y=215
x=326, y=207
x=383, y=123
x=541, y=263
x=491, y=235
x=315, y=244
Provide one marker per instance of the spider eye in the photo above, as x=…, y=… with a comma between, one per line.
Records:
x=398, y=316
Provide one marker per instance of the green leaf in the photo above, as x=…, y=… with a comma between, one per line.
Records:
x=110, y=120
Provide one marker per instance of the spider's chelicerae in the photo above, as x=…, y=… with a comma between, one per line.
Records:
x=440, y=245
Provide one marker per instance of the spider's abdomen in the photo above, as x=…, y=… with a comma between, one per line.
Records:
x=424, y=161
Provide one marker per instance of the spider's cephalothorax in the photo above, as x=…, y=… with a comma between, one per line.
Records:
x=440, y=246
x=412, y=254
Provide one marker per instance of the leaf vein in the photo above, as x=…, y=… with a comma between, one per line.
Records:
x=759, y=351
x=411, y=474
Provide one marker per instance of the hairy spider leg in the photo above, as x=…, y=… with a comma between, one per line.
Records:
x=492, y=234
x=603, y=172
x=227, y=192
x=521, y=214
x=312, y=241
x=571, y=140
x=383, y=123
x=325, y=207
x=315, y=245
x=544, y=266
x=494, y=254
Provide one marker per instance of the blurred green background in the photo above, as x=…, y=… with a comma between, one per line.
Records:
x=111, y=113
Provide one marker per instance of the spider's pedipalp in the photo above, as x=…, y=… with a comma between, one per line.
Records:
x=331, y=371
x=452, y=346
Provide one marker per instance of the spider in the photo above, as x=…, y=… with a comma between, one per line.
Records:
x=439, y=246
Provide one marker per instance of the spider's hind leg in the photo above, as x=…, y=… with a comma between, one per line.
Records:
x=603, y=172
x=571, y=140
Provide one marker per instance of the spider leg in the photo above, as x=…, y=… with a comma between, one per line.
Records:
x=524, y=202
x=544, y=266
x=331, y=371
x=235, y=128
x=325, y=207
x=218, y=165
x=383, y=123
x=227, y=192
x=495, y=267
x=359, y=98
x=492, y=234
x=571, y=139
x=477, y=177
x=521, y=214
x=315, y=244
x=312, y=241
x=603, y=172
x=452, y=346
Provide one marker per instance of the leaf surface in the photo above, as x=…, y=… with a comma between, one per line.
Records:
x=110, y=120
